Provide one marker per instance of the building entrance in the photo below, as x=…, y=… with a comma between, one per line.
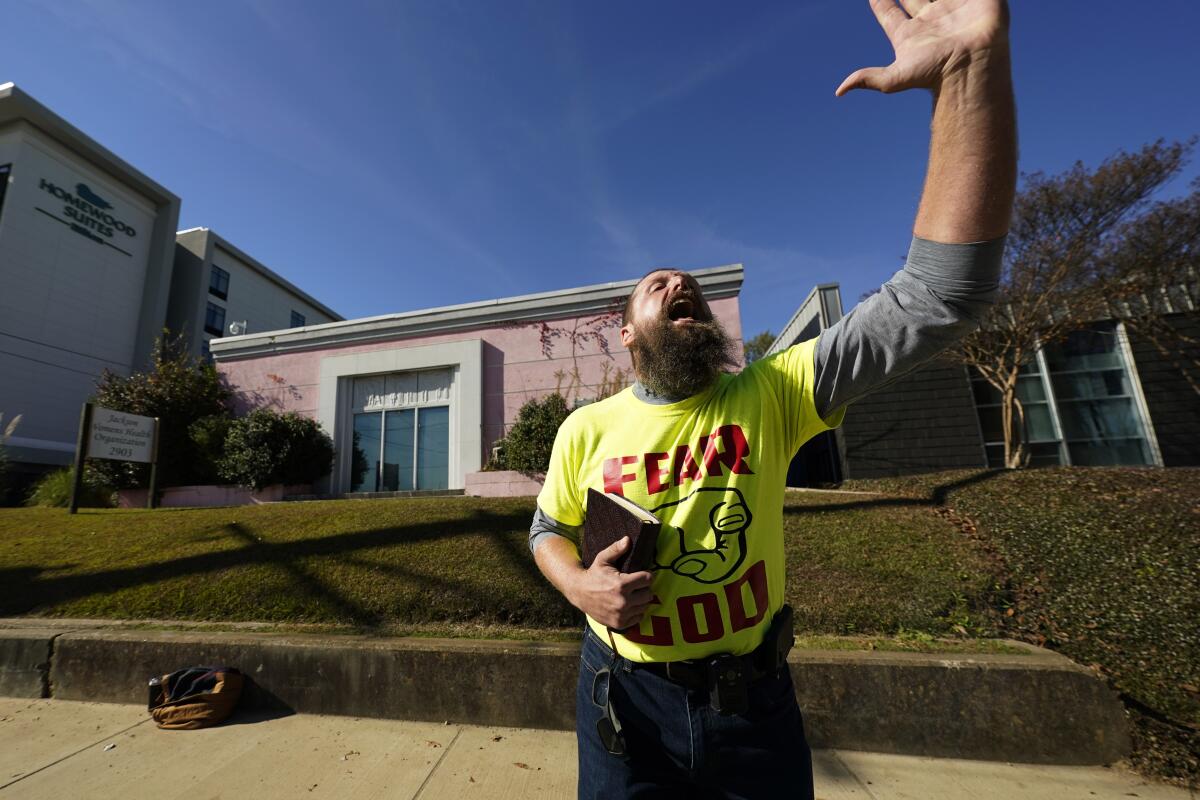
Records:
x=401, y=432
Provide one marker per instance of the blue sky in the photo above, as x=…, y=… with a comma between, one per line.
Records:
x=398, y=155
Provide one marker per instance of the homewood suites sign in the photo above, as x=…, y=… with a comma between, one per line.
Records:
x=88, y=213
x=88, y=209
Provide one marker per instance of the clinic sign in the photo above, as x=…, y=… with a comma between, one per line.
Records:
x=88, y=213
x=117, y=436
x=120, y=436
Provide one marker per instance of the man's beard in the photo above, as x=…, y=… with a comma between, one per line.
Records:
x=678, y=361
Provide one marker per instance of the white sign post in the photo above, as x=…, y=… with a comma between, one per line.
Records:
x=115, y=435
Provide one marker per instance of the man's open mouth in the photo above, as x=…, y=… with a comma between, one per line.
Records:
x=681, y=308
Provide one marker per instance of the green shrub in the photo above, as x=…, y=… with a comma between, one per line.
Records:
x=180, y=389
x=266, y=448
x=529, y=442
x=207, y=436
x=53, y=490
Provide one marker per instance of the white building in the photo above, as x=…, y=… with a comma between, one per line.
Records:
x=91, y=272
x=86, y=246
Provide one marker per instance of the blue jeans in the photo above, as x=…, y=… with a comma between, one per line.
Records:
x=676, y=746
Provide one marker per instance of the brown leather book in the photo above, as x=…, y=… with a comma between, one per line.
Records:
x=611, y=517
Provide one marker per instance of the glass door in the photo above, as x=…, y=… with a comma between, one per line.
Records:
x=433, y=447
x=401, y=450
x=398, y=450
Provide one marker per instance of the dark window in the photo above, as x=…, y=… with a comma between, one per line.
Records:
x=297, y=320
x=214, y=320
x=218, y=283
x=4, y=170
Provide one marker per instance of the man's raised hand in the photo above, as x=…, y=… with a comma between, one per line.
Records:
x=609, y=596
x=933, y=39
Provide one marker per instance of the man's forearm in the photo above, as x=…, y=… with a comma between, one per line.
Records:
x=558, y=560
x=610, y=597
x=972, y=174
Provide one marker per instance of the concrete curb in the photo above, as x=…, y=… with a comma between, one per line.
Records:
x=25, y=661
x=1035, y=708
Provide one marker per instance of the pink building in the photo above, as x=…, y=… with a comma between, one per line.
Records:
x=416, y=400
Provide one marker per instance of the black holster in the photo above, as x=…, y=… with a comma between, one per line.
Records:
x=730, y=676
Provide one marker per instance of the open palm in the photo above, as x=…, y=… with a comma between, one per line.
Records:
x=932, y=39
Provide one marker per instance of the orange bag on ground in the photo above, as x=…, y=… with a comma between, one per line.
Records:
x=195, y=697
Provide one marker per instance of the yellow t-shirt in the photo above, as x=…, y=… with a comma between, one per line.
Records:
x=712, y=468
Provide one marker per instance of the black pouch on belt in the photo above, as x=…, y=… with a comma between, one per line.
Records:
x=729, y=684
x=772, y=653
x=729, y=677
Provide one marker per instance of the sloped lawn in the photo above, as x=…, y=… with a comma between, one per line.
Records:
x=1104, y=566
x=437, y=565
x=1100, y=564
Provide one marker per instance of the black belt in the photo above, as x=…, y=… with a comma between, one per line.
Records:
x=724, y=676
x=701, y=674
x=766, y=659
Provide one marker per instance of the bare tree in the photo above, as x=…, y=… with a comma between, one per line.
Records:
x=1154, y=261
x=1085, y=245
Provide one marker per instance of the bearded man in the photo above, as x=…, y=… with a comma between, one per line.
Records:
x=683, y=685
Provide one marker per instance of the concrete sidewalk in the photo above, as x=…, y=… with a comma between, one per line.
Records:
x=63, y=749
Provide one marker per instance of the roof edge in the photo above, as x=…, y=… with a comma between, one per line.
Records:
x=17, y=104
x=717, y=283
x=220, y=241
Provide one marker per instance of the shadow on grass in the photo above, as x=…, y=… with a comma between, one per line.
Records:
x=937, y=497
x=25, y=588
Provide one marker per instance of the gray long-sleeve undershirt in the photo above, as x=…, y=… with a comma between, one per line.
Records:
x=937, y=298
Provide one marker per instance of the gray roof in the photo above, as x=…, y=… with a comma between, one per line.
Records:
x=716, y=282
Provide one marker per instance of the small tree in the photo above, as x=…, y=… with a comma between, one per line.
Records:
x=1077, y=253
x=756, y=347
x=266, y=448
x=179, y=389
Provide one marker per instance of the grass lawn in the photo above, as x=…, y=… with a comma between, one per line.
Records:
x=451, y=566
x=1103, y=565
x=1100, y=564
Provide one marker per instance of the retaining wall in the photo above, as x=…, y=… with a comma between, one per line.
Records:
x=1035, y=708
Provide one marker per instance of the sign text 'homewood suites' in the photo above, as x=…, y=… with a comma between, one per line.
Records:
x=88, y=213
